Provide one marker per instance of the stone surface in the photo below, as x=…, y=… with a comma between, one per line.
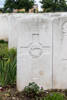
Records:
x=41, y=42
x=35, y=53
x=16, y=21
x=4, y=26
x=60, y=53
x=42, y=52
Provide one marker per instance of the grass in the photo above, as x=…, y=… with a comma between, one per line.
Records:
x=7, y=65
x=55, y=96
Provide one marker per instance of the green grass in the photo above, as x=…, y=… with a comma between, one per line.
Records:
x=55, y=96
x=7, y=65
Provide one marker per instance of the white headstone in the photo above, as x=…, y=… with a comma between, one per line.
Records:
x=16, y=21
x=60, y=53
x=4, y=26
x=41, y=51
x=34, y=54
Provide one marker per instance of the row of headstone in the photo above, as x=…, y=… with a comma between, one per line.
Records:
x=41, y=51
x=41, y=41
x=7, y=20
x=17, y=24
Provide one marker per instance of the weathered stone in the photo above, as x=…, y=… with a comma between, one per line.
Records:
x=60, y=53
x=34, y=54
x=40, y=40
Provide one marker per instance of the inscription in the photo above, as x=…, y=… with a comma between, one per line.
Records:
x=64, y=59
x=64, y=29
x=35, y=50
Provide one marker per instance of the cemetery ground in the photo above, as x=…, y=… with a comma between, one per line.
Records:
x=8, y=90
x=10, y=93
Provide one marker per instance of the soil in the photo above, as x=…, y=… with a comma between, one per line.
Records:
x=11, y=93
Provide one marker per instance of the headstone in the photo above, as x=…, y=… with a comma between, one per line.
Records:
x=4, y=26
x=34, y=53
x=60, y=53
x=41, y=49
x=16, y=21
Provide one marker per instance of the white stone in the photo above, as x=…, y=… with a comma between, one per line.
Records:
x=60, y=53
x=41, y=42
x=34, y=54
x=16, y=21
x=4, y=26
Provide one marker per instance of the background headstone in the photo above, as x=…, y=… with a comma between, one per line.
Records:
x=60, y=53
x=4, y=27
